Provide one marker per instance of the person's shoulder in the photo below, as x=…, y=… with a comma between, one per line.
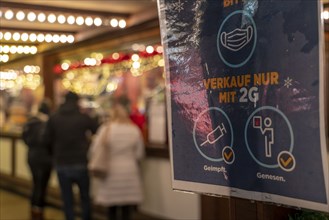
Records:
x=32, y=120
x=53, y=116
x=134, y=127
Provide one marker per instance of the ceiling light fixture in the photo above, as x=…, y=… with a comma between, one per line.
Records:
x=5, y=49
x=40, y=37
x=62, y=18
x=31, y=69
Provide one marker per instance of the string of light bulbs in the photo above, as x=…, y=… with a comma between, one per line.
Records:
x=20, y=49
x=62, y=18
x=36, y=37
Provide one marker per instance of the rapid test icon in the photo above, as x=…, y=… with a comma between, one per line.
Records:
x=267, y=131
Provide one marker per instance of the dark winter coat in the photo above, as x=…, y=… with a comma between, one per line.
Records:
x=67, y=133
x=33, y=136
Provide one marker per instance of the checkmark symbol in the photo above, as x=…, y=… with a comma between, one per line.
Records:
x=228, y=156
x=285, y=163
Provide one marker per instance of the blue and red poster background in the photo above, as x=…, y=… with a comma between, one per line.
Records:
x=245, y=91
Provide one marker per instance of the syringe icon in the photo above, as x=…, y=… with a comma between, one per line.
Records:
x=221, y=130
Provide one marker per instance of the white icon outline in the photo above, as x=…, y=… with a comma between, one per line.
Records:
x=236, y=39
x=252, y=23
x=290, y=131
x=267, y=129
x=196, y=142
x=222, y=133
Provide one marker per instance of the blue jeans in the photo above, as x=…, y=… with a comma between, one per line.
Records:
x=67, y=176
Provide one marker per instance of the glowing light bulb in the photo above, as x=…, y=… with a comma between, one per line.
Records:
x=149, y=49
x=13, y=49
x=71, y=19
x=6, y=49
x=16, y=36
x=136, y=65
x=4, y=58
x=51, y=18
x=20, y=15
x=89, y=21
x=114, y=22
x=9, y=14
x=70, y=39
x=79, y=20
x=65, y=66
x=325, y=15
x=98, y=22
x=48, y=38
x=122, y=23
x=7, y=36
x=41, y=17
x=62, y=38
x=115, y=56
x=24, y=37
x=33, y=37
x=135, y=57
x=33, y=49
x=31, y=16
x=55, y=38
x=61, y=19
x=40, y=37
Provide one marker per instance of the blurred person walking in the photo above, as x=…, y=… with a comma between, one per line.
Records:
x=121, y=190
x=67, y=132
x=38, y=158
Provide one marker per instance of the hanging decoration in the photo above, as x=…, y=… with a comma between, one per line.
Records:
x=92, y=76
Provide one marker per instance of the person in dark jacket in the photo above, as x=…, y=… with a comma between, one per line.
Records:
x=67, y=133
x=38, y=158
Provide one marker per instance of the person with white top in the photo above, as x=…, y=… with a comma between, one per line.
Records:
x=121, y=190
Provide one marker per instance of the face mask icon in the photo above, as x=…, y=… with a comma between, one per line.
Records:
x=236, y=39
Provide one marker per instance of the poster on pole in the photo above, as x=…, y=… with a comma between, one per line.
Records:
x=245, y=92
